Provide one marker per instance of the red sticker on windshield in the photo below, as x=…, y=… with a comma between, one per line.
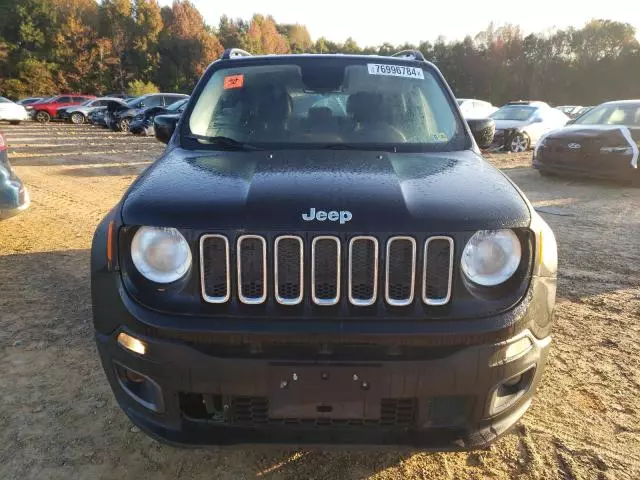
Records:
x=233, y=81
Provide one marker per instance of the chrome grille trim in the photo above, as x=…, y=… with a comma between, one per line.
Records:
x=203, y=285
x=359, y=301
x=444, y=300
x=241, y=297
x=279, y=299
x=314, y=298
x=407, y=301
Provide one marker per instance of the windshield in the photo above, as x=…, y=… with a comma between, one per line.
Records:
x=327, y=104
x=513, y=112
x=622, y=114
x=87, y=102
x=177, y=105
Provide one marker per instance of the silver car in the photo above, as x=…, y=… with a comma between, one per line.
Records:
x=519, y=125
x=78, y=114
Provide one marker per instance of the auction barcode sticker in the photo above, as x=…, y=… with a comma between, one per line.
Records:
x=395, y=70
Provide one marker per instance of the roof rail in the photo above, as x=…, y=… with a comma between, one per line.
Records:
x=412, y=54
x=234, y=52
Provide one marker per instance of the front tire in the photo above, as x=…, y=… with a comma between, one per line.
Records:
x=519, y=143
x=123, y=124
x=77, y=118
x=43, y=117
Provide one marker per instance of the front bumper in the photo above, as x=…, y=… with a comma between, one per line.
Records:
x=446, y=402
x=443, y=399
x=606, y=167
x=10, y=208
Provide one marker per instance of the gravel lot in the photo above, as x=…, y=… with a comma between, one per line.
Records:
x=58, y=419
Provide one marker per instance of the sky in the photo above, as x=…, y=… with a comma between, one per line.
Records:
x=414, y=21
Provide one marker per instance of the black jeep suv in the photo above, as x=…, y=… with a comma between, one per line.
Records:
x=322, y=254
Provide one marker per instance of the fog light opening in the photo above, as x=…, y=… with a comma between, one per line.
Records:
x=141, y=388
x=512, y=351
x=511, y=390
x=132, y=343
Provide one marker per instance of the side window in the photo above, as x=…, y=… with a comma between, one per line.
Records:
x=79, y=99
x=169, y=99
x=64, y=100
x=153, y=101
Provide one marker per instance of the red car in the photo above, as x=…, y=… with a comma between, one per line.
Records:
x=47, y=109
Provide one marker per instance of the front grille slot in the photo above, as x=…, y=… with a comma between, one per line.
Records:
x=400, y=271
x=252, y=269
x=437, y=271
x=289, y=274
x=363, y=270
x=325, y=270
x=214, y=268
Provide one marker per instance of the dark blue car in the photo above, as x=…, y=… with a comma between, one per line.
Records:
x=13, y=195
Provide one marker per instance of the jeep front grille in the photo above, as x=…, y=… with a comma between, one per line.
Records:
x=214, y=268
x=363, y=270
x=252, y=269
x=438, y=265
x=325, y=270
x=289, y=270
x=374, y=268
x=400, y=271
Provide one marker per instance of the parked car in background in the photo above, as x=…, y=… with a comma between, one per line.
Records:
x=121, y=96
x=582, y=111
x=14, y=197
x=12, y=112
x=601, y=143
x=570, y=111
x=29, y=106
x=122, y=117
x=520, y=124
x=45, y=110
x=474, y=108
x=142, y=124
x=78, y=114
x=97, y=117
x=28, y=101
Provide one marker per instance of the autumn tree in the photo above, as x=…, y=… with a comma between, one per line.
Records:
x=231, y=33
x=298, y=36
x=263, y=37
x=186, y=47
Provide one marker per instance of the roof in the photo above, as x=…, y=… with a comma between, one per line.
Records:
x=621, y=102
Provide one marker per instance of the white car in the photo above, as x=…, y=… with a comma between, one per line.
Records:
x=474, y=108
x=519, y=125
x=12, y=112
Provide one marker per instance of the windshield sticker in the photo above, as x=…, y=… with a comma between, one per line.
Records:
x=233, y=81
x=440, y=137
x=395, y=70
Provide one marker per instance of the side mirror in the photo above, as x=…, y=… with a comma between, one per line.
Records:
x=164, y=126
x=483, y=130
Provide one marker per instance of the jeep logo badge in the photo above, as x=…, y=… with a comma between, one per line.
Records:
x=343, y=216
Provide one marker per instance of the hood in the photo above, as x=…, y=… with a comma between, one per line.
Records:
x=505, y=124
x=592, y=131
x=271, y=191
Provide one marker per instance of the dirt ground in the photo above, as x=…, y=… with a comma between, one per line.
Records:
x=58, y=419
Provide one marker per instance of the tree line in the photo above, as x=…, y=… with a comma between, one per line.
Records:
x=82, y=46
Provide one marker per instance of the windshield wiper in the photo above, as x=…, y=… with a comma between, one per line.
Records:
x=225, y=143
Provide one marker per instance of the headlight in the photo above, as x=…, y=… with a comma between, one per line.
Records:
x=161, y=255
x=491, y=257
